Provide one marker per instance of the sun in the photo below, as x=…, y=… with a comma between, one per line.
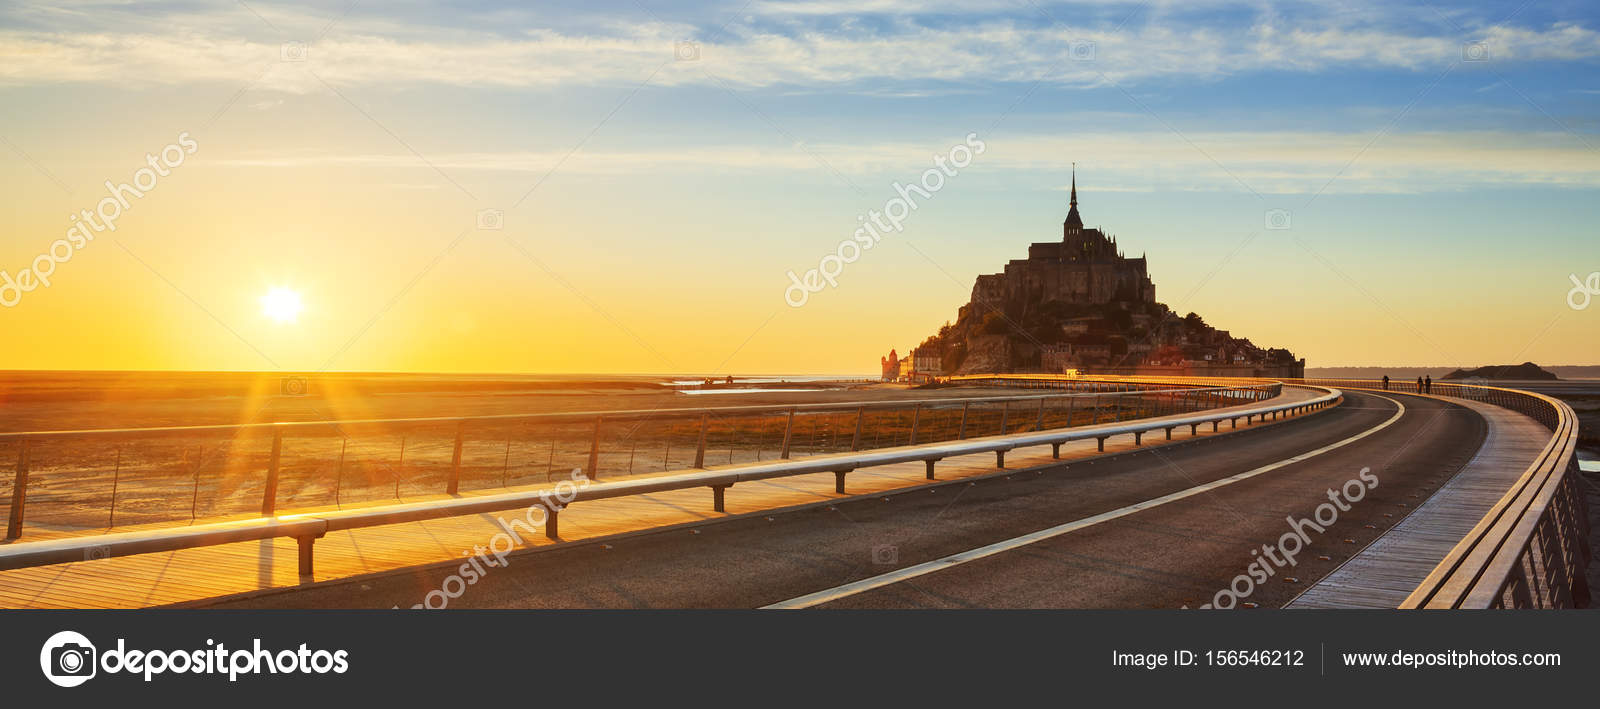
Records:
x=281, y=304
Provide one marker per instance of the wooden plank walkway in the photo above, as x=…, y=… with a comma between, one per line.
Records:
x=1388, y=570
x=195, y=574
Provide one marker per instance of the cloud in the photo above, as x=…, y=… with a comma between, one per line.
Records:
x=904, y=55
x=1266, y=162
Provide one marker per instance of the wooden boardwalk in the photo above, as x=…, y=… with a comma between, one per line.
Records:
x=1389, y=569
x=196, y=574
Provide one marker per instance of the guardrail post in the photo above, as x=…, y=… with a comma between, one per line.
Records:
x=788, y=434
x=305, y=556
x=718, y=496
x=700, y=448
x=1169, y=433
x=838, y=481
x=594, y=450
x=1100, y=444
x=552, y=513
x=455, y=464
x=19, y=493
x=1055, y=451
x=269, y=496
x=930, y=463
x=116, y=475
x=861, y=415
x=999, y=459
x=1138, y=438
x=916, y=420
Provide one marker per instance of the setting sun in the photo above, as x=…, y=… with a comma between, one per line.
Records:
x=281, y=304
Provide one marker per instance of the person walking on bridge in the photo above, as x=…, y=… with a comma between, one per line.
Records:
x=1429, y=383
x=1385, y=382
x=1419, y=385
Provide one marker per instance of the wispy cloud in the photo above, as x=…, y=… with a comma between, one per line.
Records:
x=1270, y=162
x=906, y=55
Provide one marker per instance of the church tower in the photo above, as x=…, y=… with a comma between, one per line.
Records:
x=1074, y=223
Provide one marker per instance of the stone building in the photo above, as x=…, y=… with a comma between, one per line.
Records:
x=1085, y=267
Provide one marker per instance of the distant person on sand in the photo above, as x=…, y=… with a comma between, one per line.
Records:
x=1429, y=383
x=1385, y=382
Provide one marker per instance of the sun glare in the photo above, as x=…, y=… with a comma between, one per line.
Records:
x=281, y=304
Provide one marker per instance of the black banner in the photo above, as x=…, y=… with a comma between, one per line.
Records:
x=744, y=657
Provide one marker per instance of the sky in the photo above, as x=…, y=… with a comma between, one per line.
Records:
x=626, y=187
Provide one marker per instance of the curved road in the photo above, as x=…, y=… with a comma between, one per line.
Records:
x=1175, y=554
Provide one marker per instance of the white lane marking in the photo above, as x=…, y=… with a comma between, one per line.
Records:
x=911, y=572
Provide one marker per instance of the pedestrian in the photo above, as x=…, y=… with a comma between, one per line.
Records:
x=1429, y=383
x=1419, y=385
x=1385, y=382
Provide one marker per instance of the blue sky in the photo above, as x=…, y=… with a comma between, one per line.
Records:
x=1461, y=135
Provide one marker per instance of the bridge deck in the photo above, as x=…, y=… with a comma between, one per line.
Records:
x=208, y=572
x=1389, y=569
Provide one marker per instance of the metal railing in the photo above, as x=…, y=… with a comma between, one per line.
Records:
x=102, y=479
x=306, y=528
x=1531, y=549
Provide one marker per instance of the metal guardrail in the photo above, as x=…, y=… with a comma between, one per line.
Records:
x=307, y=528
x=242, y=468
x=1531, y=549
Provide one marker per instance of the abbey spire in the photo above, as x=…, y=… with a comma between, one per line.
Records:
x=1074, y=223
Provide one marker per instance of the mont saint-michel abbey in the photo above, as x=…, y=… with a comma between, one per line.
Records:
x=1084, y=267
x=1079, y=304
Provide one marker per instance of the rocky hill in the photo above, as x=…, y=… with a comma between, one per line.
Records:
x=1079, y=303
x=1527, y=371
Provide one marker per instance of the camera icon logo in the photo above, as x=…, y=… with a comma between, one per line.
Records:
x=1583, y=291
x=292, y=52
x=96, y=553
x=886, y=555
x=491, y=219
x=293, y=386
x=1278, y=219
x=1475, y=52
x=686, y=50
x=1081, y=50
x=68, y=659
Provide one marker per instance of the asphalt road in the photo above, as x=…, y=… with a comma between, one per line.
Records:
x=1176, y=554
